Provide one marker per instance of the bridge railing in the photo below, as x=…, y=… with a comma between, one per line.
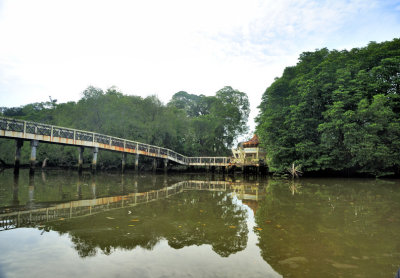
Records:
x=208, y=160
x=15, y=128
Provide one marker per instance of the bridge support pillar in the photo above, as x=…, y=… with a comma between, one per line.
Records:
x=123, y=162
x=32, y=160
x=165, y=165
x=80, y=159
x=18, y=146
x=136, y=162
x=154, y=167
x=94, y=160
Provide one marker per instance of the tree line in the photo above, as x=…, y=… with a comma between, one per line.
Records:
x=336, y=111
x=193, y=125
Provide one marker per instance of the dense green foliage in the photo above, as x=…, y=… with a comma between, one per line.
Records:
x=188, y=124
x=215, y=122
x=336, y=111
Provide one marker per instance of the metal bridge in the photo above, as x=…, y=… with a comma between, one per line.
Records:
x=25, y=130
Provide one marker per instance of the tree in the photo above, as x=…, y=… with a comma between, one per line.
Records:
x=334, y=111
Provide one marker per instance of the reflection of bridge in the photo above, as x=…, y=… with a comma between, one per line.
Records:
x=35, y=132
x=88, y=207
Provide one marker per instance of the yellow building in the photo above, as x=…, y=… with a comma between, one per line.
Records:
x=249, y=153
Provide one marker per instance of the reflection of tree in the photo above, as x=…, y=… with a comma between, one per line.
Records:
x=190, y=218
x=85, y=249
x=348, y=227
x=295, y=187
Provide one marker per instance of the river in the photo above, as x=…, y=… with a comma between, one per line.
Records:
x=60, y=224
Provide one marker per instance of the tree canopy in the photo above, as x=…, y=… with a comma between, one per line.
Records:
x=336, y=111
x=189, y=124
x=215, y=121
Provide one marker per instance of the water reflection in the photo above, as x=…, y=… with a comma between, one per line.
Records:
x=331, y=228
x=192, y=218
x=302, y=228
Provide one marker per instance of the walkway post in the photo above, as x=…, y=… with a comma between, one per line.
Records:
x=32, y=160
x=80, y=159
x=154, y=167
x=18, y=146
x=123, y=162
x=137, y=162
x=165, y=165
x=94, y=161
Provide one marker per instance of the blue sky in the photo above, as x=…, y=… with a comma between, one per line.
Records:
x=58, y=48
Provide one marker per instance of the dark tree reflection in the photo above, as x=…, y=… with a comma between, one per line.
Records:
x=189, y=218
x=336, y=228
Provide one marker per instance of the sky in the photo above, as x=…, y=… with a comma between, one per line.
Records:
x=52, y=48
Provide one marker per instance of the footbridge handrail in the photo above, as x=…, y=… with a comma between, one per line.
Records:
x=27, y=130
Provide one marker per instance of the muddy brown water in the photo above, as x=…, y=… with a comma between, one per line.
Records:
x=59, y=224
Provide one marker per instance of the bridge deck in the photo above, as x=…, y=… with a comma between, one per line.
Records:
x=19, y=129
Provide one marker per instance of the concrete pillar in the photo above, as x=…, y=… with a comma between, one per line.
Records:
x=137, y=162
x=94, y=161
x=18, y=146
x=80, y=159
x=32, y=160
x=154, y=167
x=123, y=162
x=165, y=165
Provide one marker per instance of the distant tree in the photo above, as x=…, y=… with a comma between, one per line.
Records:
x=215, y=121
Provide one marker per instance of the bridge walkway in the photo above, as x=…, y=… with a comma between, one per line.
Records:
x=36, y=132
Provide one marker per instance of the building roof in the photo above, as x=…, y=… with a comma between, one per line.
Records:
x=253, y=142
